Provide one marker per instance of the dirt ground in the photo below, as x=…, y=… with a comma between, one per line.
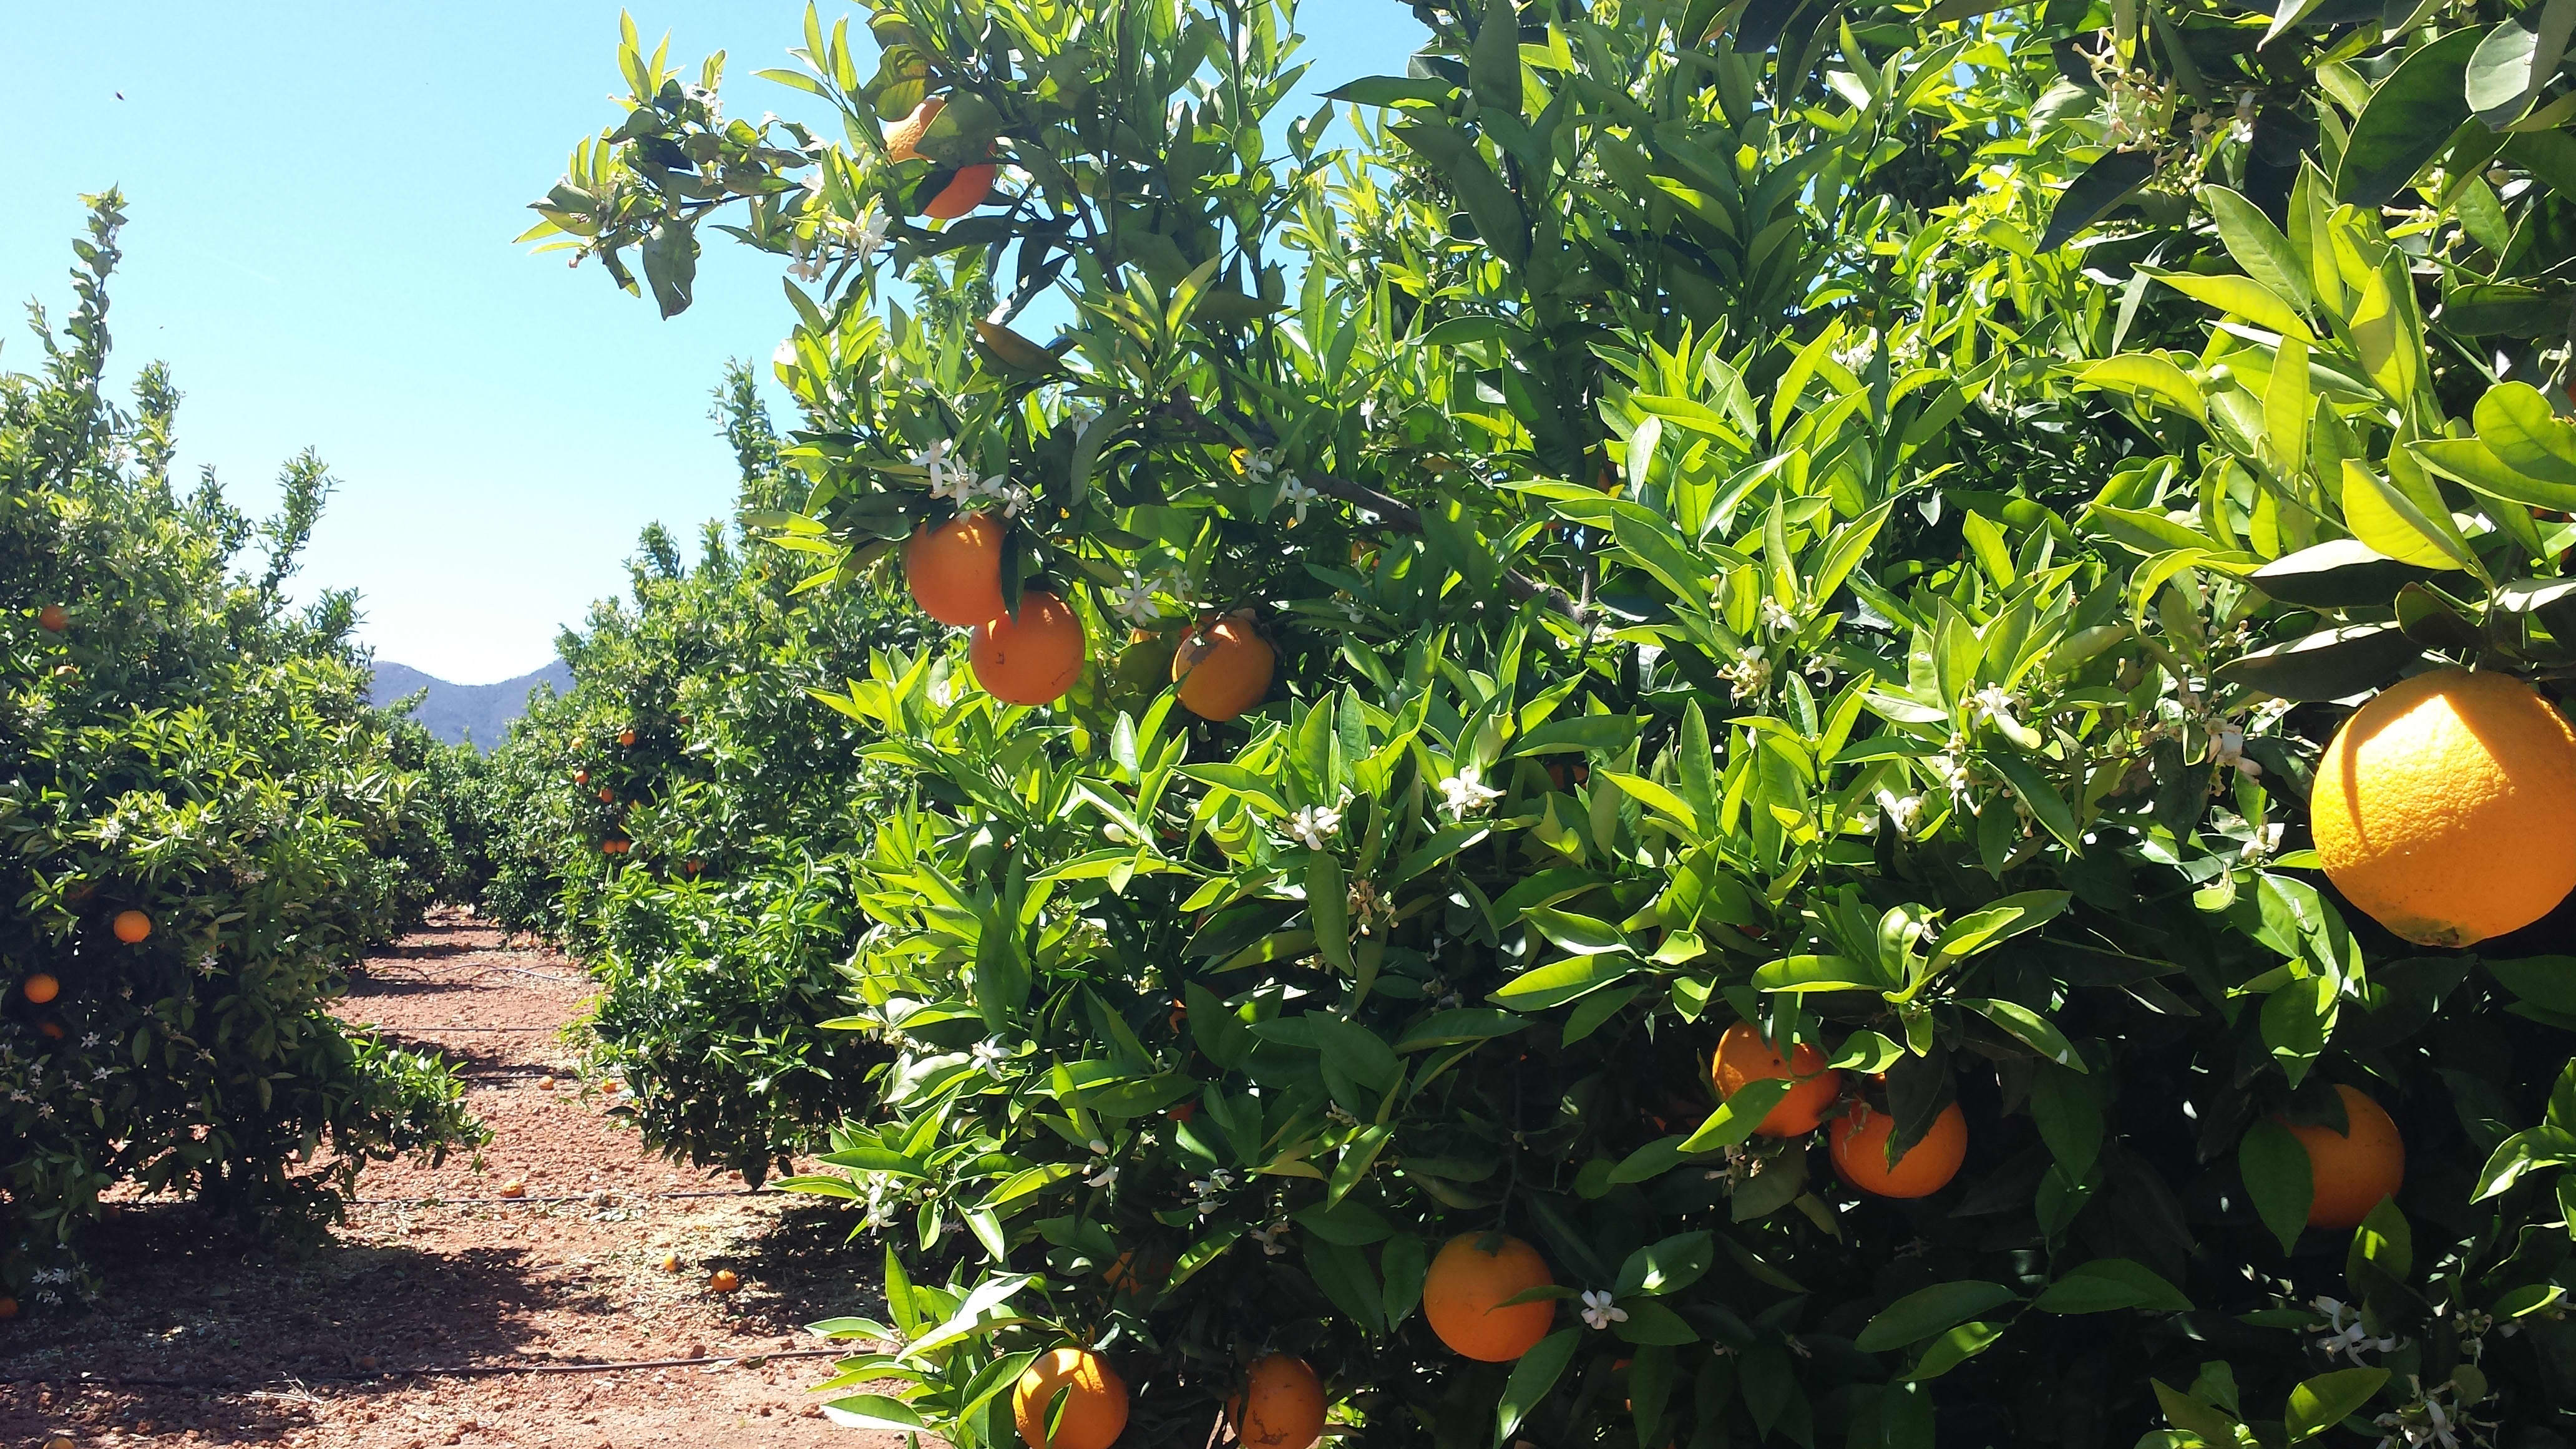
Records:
x=203, y=1339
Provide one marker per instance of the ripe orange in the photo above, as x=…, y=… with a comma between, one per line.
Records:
x=50, y=1030
x=1859, y=1144
x=1095, y=1401
x=8, y=1307
x=903, y=138
x=1033, y=659
x=514, y=1189
x=693, y=866
x=581, y=777
x=132, y=926
x=626, y=737
x=670, y=1263
x=1281, y=1406
x=607, y=796
x=41, y=988
x=973, y=184
x=723, y=1280
x=1223, y=667
x=1743, y=1056
x=1462, y=1298
x=2441, y=808
x=956, y=569
x=2352, y=1170
x=614, y=847
x=53, y=618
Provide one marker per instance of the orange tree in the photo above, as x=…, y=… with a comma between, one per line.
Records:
x=690, y=741
x=206, y=824
x=1858, y=526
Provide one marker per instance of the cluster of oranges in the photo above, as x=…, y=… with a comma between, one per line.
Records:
x=1223, y=666
x=615, y=845
x=1071, y=1398
x=43, y=988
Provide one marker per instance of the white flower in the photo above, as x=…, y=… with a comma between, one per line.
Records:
x=936, y=460
x=90, y=1039
x=1902, y=811
x=806, y=269
x=1257, y=467
x=1133, y=601
x=1599, y=1311
x=1749, y=675
x=100, y=1074
x=1350, y=608
x=1461, y=793
x=870, y=233
x=1313, y=825
x=1952, y=774
x=1103, y=1175
x=1014, y=499
x=987, y=1054
x=1775, y=618
x=2263, y=842
x=784, y=355
x=1099, y=1148
x=1297, y=496
x=2227, y=747
x=2345, y=1334
x=1269, y=1239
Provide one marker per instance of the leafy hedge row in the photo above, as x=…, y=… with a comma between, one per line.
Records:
x=1856, y=518
x=721, y=917
x=205, y=824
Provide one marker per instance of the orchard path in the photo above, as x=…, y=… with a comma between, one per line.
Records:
x=203, y=1339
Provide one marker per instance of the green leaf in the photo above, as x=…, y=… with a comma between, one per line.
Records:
x=2278, y=1179
x=2046, y=806
x=1927, y=1311
x=2336, y=574
x=1656, y=797
x=2515, y=420
x=2548, y=982
x=2030, y=1027
x=2409, y=120
x=2474, y=463
x=2090, y=197
x=1736, y=1118
x=1532, y=1377
x=1991, y=925
x=2382, y=516
x=2213, y=1426
x=2322, y=1402
x=2258, y=246
x=1494, y=61
x=1562, y=981
x=2329, y=664
x=1583, y=935
x=2147, y=375
x=1448, y=1028
x=1819, y=973
x=2515, y=61
x=2106, y=1284
x=1953, y=1349
x=1328, y=905
x=2243, y=296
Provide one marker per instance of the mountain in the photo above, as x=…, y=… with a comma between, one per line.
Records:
x=457, y=712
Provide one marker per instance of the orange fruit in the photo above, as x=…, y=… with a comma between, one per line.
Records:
x=670, y=1263
x=8, y=1307
x=1281, y=1406
x=723, y=1280
x=581, y=777
x=2352, y=1170
x=1033, y=659
x=956, y=569
x=1095, y=1401
x=903, y=138
x=132, y=926
x=626, y=737
x=693, y=866
x=1223, y=667
x=1743, y=1056
x=514, y=1189
x=607, y=796
x=970, y=188
x=1463, y=1296
x=545, y=1084
x=1859, y=1143
x=51, y=1030
x=2441, y=808
x=53, y=618
x=40, y=988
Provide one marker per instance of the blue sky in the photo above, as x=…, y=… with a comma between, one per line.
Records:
x=323, y=197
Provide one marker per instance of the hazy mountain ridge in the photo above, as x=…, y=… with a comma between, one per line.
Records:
x=457, y=712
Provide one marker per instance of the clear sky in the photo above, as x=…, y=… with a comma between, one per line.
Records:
x=323, y=196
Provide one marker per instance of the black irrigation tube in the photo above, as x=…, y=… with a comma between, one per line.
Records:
x=562, y=1197
x=449, y=1371
x=453, y=1026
